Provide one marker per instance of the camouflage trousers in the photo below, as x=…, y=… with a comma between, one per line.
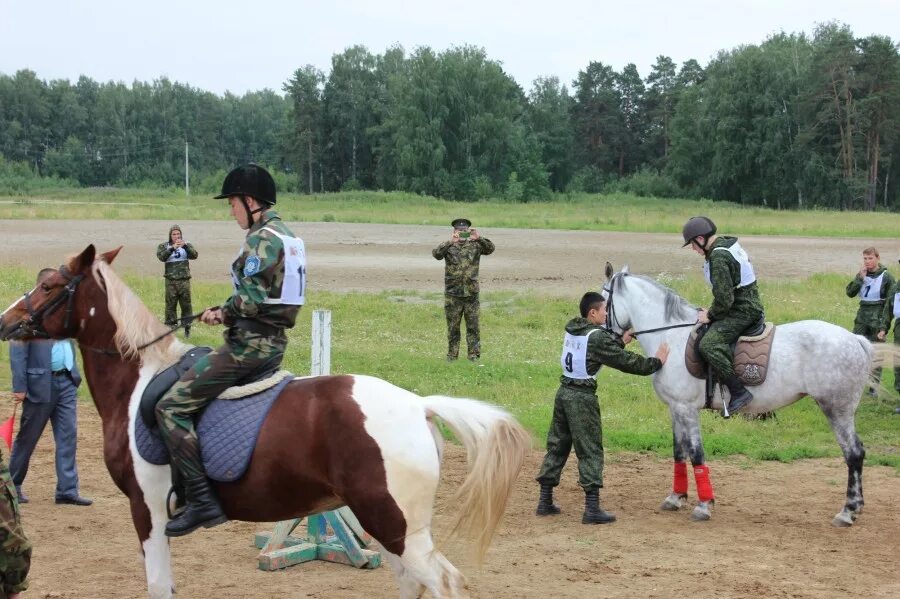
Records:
x=715, y=346
x=867, y=323
x=15, y=549
x=455, y=308
x=178, y=291
x=242, y=354
x=576, y=422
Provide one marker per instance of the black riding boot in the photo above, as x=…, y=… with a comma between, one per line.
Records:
x=546, y=507
x=187, y=331
x=202, y=509
x=740, y=397
x=593, y=513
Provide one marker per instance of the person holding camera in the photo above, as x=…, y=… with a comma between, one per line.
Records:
x=587, y=346
x=175, y=253
x=873, y=284
x=462, y=256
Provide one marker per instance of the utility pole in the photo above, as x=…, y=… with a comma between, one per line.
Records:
x=187, y=172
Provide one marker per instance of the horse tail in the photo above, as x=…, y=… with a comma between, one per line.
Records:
x=496, y=445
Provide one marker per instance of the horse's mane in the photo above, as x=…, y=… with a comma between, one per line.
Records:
x=135, y=324
x=675, y=306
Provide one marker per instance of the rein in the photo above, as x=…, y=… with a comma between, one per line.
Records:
x=182, y=322
x=611, y=316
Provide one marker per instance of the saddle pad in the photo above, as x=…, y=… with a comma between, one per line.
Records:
x=751, y=356
x=227, y=429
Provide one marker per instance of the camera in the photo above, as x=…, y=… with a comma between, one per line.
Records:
x=464, y=234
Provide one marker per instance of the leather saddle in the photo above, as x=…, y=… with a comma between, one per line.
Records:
x=751, y=353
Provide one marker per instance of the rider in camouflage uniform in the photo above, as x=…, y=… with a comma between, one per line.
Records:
x=175, y=253
x=588, y=346
x=892, y=312
x=873, y=284
x=15, y=550
x=269, y=278
x=736, y=303
x=461, y=256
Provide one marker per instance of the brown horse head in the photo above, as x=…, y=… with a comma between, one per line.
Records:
x=63, y=304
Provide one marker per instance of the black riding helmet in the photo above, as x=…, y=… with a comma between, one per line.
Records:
x=249, y=180
x=697, y=226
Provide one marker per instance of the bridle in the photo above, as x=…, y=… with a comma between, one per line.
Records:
x=611, y=314
x=34, y=325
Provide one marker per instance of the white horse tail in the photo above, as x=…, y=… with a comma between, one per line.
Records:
x=496, y=444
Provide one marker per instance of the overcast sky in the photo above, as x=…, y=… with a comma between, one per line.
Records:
x=220, y=45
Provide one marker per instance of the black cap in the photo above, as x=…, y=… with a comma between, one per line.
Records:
x=249, y=180
x=461, y=222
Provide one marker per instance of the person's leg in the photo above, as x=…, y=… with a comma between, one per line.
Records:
x=715, y=347
x=587, y=439
x=64, y=423
x=31, y=426
x=171, y=302
x=473, y=331
x=559, y=444
x=184, y=300
x=453, y=310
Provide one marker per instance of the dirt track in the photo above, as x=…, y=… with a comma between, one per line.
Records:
x=770, y=536
x=346, y=257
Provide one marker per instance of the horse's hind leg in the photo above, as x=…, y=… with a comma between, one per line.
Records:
x=430, y=568
x=844, y=427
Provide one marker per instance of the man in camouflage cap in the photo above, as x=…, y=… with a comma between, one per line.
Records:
x=461, y=256
x=175, y=253
x=269, y=278
x=15, y=550
x=873, y=284
x=736, y=303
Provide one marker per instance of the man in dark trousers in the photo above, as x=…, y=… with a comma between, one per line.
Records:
x=462, y=256
x=45, y=381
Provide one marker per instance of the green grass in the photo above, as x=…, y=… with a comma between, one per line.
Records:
x=400, y=336
x=615, y=212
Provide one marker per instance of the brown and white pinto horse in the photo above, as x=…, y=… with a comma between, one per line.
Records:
x=328, y=441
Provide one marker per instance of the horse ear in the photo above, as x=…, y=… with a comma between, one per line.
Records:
x=83, y=261
x=109, y=256
x=609, y=270
x=625, y=269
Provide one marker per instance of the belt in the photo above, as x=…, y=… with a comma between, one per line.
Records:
x=62, y=372
x=260, y=328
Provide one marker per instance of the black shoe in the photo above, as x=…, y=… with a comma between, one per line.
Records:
x=896, y=411
x=451, y=358
x=187, y=332
x=545, y=506
x=23, y=498
x=202, y=509
x=593, y=513
x=740, y=397
x=76, y=500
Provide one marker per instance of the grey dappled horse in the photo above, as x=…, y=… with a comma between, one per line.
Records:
x=809, y=357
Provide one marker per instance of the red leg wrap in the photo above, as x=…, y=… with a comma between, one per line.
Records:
x=680, y=484
x=704, y=487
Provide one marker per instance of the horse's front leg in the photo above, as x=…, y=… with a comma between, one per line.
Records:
x=147, y=500
x=686, y=432
x=675, y=500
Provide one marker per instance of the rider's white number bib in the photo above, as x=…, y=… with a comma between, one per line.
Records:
x=871, y=288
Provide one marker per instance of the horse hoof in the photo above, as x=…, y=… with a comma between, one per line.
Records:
x=701, y=513
x=843, y=520
x=672, y=503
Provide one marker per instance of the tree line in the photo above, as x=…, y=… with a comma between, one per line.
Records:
x=796, y=121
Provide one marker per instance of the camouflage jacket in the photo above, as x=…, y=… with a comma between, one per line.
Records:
x=258, y=275
x=461, y=261
x=605, y=349
x=15, y=549
x=887, y=314
x=725, y=275
x=887, y=284
x=177, y=267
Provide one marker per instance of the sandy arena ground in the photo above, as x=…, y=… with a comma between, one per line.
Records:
x=770, y=536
